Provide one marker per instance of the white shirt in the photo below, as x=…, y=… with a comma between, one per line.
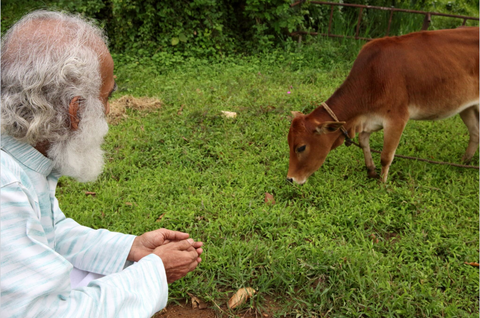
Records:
x=39, y=246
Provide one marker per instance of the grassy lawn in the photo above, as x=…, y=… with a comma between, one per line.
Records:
x=341, y=245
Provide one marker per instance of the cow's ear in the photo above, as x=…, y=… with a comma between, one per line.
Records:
x=329, y=126
x=296, y=114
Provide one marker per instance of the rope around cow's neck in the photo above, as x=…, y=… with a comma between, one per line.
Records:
x=349, y=141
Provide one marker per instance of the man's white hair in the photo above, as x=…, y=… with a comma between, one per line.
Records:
x=48, y=58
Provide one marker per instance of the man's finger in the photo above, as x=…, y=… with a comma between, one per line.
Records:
x=194, y=254
x=184, y=245
x=174, y=235
x=163, y=236
x=193, y=265
x=197, y=244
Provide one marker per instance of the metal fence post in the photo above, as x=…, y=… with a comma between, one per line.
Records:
x=358, y=23
x=426, y=21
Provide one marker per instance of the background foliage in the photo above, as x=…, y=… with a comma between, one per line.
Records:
x=211, y=28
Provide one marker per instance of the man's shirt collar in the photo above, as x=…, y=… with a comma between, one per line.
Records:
x=27, y=155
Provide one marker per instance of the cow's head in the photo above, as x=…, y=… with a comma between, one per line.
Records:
x=310, y=141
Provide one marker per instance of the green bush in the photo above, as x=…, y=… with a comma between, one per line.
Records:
x=192, y=28
x=208, y=29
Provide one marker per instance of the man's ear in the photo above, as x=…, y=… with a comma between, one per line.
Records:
x=73, y=112
x=329, y=126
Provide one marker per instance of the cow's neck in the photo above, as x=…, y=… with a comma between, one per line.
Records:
x=346, y=107
x=343, y=105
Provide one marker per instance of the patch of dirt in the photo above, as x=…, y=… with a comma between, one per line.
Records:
x=119, y=107
x=185, y=309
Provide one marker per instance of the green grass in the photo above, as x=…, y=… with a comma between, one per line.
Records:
x=341, y=244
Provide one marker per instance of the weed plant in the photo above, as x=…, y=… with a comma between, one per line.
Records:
x=341, y=245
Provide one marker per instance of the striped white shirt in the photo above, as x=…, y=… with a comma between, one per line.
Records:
x=39, y=246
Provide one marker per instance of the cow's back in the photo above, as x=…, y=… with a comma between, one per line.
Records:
x=425, y=70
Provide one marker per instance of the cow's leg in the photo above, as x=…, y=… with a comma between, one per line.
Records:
x=391, y=137
x=364, y=139
x=470, y=118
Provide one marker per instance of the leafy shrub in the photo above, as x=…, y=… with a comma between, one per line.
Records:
x=218, y=28
x=193, y=28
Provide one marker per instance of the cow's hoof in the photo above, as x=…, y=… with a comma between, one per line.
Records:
x=466, y=160
x=373, y=175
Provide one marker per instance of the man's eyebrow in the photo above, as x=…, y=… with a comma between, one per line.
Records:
x=115, y=87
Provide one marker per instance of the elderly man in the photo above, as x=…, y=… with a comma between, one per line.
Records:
x=57, y=76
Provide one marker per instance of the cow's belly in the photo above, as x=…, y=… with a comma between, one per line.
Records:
x=437, y=113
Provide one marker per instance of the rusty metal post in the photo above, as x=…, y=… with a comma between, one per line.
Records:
x=389, y=22
x=358, y=23
x=330, y=21
x=426, y=21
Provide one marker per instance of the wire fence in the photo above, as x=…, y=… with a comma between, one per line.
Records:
x=360, y=23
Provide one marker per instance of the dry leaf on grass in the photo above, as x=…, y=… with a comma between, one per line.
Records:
x=179, y=112
x=160, y=218
x=119, y=106
x=240, y=297
x=161, y=312
x=197, y=303
x=90, y=193
x=269, y=198
x=229, y=114
x=472, y=264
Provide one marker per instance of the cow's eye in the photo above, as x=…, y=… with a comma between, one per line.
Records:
x=301, y=148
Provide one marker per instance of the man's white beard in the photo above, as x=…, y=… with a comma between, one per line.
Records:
x=81, y=156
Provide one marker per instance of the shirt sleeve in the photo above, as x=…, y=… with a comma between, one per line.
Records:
x=35, y=278
x=97, y=251
x=139, y=291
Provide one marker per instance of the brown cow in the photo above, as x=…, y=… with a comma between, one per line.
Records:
x=426, y=75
